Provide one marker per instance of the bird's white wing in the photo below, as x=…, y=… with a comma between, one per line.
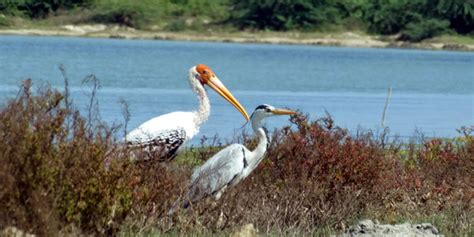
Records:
x=221, y=170
x=163, y=137
x=162, y=125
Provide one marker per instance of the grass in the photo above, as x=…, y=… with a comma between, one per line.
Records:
x=316, y=179
x=453, y=38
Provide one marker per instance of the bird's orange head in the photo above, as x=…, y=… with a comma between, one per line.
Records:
x=207, y=77
x=205, y=73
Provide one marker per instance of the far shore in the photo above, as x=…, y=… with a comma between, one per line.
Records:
x=343, y=39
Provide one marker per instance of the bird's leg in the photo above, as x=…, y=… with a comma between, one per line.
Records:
x=218, y=194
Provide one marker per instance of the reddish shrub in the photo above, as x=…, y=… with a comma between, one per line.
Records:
x=315, y=175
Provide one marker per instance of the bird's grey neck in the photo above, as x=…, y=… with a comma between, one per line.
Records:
x=204, y=109
x=260, y=131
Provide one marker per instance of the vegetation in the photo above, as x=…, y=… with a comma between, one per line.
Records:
x=414, y=19
x=316, y=178
x=423, y=30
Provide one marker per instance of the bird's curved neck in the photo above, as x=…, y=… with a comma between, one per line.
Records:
x=259, y=152
x=204, y=109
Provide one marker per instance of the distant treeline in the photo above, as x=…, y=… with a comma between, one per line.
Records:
x=413, y=19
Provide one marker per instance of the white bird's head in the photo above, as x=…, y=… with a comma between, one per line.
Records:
x=206, y=76
x=263, y=111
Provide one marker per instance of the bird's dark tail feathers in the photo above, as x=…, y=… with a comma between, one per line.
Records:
x=186, y=204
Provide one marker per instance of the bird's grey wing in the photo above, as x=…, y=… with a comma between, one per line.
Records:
x=220, y=171
x=162, y=147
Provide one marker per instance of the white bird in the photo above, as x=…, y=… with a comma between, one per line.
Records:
x=233, y=163
x=163, y=137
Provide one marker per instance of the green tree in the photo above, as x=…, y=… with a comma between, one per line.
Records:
x=39, y=8
x=425, y=29
x=460, y=13
x=283, y=14
x=392, y=16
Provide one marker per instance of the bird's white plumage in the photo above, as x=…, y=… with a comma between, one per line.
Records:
x=162, y=125
x=164, y=136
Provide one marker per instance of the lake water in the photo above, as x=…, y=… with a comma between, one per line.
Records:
x=433, y=91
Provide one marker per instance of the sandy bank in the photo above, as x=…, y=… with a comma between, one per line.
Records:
x=347, y=39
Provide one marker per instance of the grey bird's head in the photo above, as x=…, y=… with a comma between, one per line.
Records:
x=265, y=110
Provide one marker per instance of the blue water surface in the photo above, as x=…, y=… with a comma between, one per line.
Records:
x=433, y=91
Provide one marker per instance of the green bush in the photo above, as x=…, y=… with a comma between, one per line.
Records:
x=283, y=15
x=394, y=16
x=140, y=14
x=8, y=7
x=176, y=25
x=390, y=17
x=425, y=29
x=132, y=17
x=213, y=9
x=40, y=8
x=131, y=13
x=4, y=20
x=119, y=13
x=460, y=13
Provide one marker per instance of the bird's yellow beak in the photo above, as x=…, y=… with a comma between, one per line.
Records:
x=283, y=112
x=217, y=85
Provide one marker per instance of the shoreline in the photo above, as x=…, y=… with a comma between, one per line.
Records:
x=344, y=39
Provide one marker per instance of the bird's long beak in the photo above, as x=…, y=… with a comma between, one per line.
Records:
x=217, y=85
x=283, y=112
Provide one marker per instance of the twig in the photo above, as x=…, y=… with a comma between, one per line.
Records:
x=126, y=115
x=389, y=95
x=67, y=101
x=94, y=114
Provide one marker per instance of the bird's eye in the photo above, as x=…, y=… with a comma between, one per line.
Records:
x=268, y=110
x=198, y=78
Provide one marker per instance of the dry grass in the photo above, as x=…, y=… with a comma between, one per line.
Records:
x=316, y=179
